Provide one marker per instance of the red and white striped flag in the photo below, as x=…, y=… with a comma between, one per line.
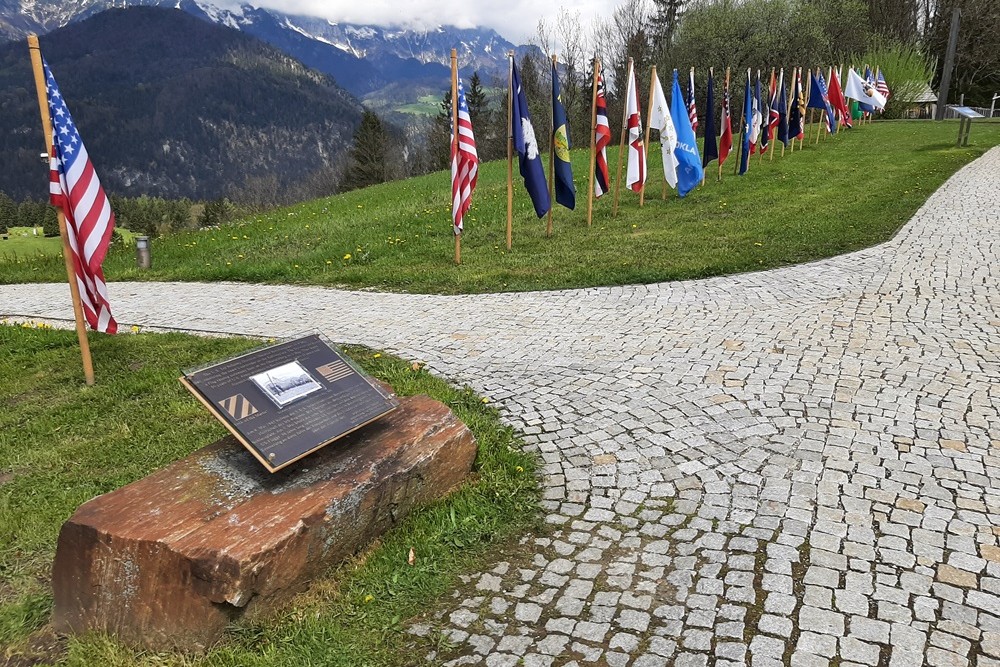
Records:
x=464, y=164
x=635, y=173
x=75, y=188
x=692, y=107
x=601, y=141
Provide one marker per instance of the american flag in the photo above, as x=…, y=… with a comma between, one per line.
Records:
x=464, y=164
x=602, y=140
x=75, y=188
x=880, y=85
x=692, y=108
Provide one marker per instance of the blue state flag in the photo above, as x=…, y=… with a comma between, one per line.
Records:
x=747, y=123
x=563, y=168
x=819, y=98
x=689, y=168
x=522, y=134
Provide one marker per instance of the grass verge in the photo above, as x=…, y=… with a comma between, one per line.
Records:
x=62, y=443
x=849, y=192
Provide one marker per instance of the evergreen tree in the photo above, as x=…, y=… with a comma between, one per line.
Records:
x=366, y=165
x=49, y=218
x=439, y=140
x=216, y=212
x=664, y=22
x=481, y=116
x=8, y=213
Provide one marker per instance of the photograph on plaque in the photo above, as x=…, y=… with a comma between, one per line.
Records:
x=286, y=400
x=286, y=384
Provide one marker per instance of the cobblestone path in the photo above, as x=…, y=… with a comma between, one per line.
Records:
x=799, y=466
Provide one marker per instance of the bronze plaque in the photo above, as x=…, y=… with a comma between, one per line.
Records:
x=289, y=399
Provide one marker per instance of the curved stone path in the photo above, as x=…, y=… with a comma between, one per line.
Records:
x=779, y=468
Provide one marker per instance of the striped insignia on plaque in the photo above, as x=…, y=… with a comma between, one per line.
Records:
x=336, y=370
x=238, y=407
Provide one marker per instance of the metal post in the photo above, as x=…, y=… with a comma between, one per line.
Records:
x=949, y=63
x=142, y=257
x=993, y=104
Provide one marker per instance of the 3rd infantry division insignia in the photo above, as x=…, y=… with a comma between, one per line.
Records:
x=238, y=407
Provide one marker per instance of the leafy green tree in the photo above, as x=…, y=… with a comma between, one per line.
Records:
x=367, y=162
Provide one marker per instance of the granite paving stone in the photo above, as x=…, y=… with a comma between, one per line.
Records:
x=777, y=468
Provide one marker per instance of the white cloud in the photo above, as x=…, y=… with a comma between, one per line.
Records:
x=514, y=19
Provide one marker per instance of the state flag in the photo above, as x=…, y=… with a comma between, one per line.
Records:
x=562, y=167
x=522, y=134
x=659, y=117
x=689, y=170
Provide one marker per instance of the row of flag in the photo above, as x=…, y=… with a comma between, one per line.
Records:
x=778, y=113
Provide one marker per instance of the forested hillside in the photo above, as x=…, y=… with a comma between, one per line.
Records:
x=173, y=106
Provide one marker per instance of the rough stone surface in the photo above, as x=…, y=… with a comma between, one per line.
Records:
x=169, y=560
x=695, y=436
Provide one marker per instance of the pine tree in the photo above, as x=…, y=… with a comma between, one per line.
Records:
x=8, y=213
x=439, y=140
x=367, y=163
x=481, y=115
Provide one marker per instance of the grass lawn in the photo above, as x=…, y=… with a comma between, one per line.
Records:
x=24, y=247
x=847, y=193
x=62, y=443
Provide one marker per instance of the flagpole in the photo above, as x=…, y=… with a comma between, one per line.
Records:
x=773, y=89
x=806, y=92
x=649, y=123
x=593, y=142
x=552, y=157
x=621, y=147
x=763, y=123
x=781, y=84
x=743, y=130
x=454, y=148
x=821, y=122
x=510, y=150
x=725, y=94
x=74, y=288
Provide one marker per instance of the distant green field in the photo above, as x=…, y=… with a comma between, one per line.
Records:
x=426, y=105
x=23, y=246
x=849, y=192
x=22, y=243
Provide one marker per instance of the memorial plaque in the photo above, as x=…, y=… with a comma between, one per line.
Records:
x=287, y=400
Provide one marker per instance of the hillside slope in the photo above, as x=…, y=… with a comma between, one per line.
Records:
x=171, y=105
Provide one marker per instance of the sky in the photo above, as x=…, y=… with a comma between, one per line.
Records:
x=514, y=19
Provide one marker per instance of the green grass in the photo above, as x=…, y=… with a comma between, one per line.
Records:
x=426, y=105
x=23, y=246
x=847, y=193
x=62, y=443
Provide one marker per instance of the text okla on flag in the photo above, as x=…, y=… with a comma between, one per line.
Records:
x=75, y=189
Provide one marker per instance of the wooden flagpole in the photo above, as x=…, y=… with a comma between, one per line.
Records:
x=725, y=92
x=593, y=141
x=704, y=175
x=743, y=117
x=649, y=123
x=74, y=289
x=454, y=147
x=819, y=125
x=763, y=126
x=510, y=150
x=777, y=93
x=552, y=158
x=621, y=147
x=781, y=82
x=806, y=92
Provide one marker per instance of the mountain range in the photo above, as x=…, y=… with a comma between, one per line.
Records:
x=171, y=105
x=364, y=59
